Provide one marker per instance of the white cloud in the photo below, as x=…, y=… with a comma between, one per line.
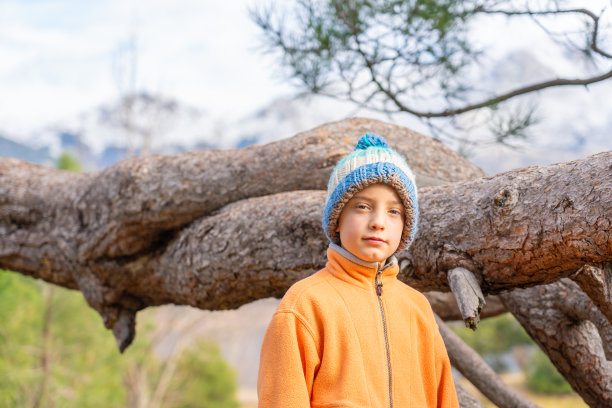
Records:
x=201, y=52
x=56, y=62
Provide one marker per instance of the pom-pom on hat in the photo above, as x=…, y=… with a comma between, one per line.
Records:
x=373, y=161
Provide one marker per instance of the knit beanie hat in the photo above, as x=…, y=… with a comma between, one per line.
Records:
x=373, y=161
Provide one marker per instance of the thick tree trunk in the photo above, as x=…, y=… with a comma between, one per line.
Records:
x=502, y=228
x=219, y=229
x=267, y=243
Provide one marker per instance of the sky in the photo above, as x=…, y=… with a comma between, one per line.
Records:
x=57, y=59
x=57, y=56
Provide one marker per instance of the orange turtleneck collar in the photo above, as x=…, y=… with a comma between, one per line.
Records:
x=351, y=269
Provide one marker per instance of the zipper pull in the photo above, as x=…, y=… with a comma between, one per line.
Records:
x=379, y=284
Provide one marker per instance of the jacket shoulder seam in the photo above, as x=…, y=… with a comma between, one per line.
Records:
x=305, y=324
x=299, y=291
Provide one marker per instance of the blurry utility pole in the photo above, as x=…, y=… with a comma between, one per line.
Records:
x=124, y=69
x=140, y=114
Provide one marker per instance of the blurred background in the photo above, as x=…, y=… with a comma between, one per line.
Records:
x=86, y=84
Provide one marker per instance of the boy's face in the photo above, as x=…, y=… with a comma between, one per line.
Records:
x=371, y=223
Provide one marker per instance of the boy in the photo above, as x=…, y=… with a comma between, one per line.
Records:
x=353, y=335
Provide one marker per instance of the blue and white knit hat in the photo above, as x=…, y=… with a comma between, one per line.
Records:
x=373, y=161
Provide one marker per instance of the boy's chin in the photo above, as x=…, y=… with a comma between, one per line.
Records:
x=373, y=256
x=369, y=254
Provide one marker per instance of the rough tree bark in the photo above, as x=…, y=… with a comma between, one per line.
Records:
x=217, y=229
x=556, y=316
x=597, y=284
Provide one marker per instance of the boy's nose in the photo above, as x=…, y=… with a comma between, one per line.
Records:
x=377, y=220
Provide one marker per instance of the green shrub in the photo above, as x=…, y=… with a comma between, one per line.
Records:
x=41, y=322
x=543, y=377
x=216, y=379
x=494, y=335
x=68, y=161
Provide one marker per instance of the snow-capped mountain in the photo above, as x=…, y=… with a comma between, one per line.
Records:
x=108, y=133
x=11, y=148
x=148, y=124
x=572, y=124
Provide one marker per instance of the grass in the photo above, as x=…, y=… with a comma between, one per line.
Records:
x=517, y=381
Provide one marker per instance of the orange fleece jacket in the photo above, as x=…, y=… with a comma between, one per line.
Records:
x=325, y=345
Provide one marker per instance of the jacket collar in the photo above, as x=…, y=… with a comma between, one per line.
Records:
x=349, y=268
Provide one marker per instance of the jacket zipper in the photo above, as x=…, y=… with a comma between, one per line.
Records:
x=379, y=290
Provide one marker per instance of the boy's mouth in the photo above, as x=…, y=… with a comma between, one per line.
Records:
x=374, y=240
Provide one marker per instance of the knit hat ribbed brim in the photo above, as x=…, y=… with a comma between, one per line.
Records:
x=373, y=161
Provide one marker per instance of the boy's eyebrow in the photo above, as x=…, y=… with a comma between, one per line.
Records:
x=368, y=199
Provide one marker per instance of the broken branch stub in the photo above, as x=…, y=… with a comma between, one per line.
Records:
x=470, y=299
x=445, y=305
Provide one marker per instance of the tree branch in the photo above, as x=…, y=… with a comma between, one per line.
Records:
x=267, y=243
x=597, y=284
x=507, y=230
x=503, y=227
x=126, y=208
x=586, y=12
x=494, y=100
x=577, y=306
x=372, y=60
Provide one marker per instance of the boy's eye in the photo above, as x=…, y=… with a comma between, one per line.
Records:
x=361, y=206
x=395, y=212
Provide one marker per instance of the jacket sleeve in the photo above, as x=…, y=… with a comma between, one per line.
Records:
x=447, y=395
x=288, y=362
